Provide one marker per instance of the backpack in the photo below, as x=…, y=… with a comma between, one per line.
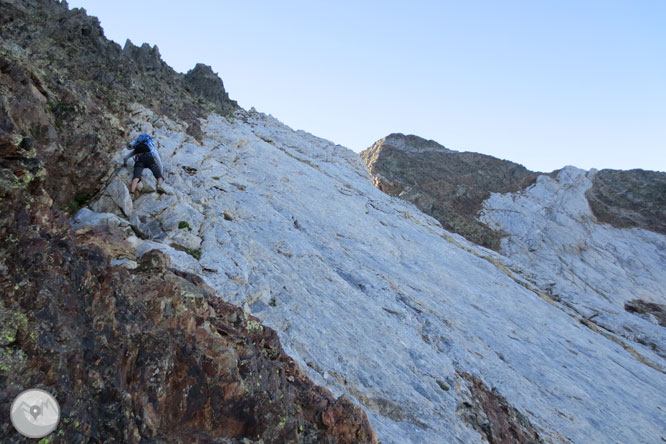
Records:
x=143, y=144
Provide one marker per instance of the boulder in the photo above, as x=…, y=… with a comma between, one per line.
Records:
x=153, y=204
x=179, y=214
x=86, y=217
x=179, y=260
x=115, y=199
x=183, y=239
x=147, y=228
x=149, y=182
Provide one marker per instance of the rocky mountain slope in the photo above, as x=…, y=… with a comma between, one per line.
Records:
x=597, y=271
x=438, y=339
x=435, y=338
x=66, y=87
x=148, y=354
x=553, y=225
x=561, y=233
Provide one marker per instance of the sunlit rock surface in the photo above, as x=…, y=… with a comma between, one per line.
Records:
x=438, y=339
x=591, y=268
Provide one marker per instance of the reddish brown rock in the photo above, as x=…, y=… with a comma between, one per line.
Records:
x=497, y=421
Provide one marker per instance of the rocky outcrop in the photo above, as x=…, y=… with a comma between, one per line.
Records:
x=69, y=89
x=448, y=185
x=147, y=57
x=596, y=271
x=493, y=417
x=634, y=198
x=655, y=313
x=115, y=197
x=204, y=82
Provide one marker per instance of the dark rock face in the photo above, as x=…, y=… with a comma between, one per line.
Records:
x=145, y=56
x=493, y=417
x=148, y=355
x=448, y=185
x=634, y=198
x=204, y=82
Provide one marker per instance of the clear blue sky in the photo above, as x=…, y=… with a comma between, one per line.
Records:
x=543, y=83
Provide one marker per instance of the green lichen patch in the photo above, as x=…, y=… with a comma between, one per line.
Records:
x=11, y=360
x=11, y=324
x=254, y=326
x=8, y=181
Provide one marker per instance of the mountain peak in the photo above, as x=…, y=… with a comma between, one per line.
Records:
x=448, y=185
x=207, y=84
x=409, y=143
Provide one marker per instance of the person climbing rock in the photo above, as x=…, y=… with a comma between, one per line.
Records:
x=145, y=155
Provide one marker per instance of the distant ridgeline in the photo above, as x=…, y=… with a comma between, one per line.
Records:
x=451, y=186
x=448, y=185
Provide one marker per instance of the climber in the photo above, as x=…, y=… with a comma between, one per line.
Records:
x=145, y=156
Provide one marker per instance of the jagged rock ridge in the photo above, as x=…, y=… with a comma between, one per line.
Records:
x=202, y=80
x=66, y=87
x=448, y=185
